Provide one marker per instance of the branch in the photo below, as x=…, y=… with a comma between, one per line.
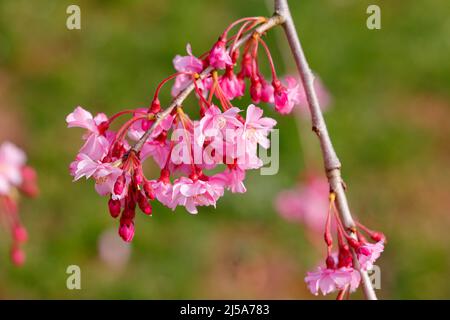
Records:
x=331, y=161
x=270, y=23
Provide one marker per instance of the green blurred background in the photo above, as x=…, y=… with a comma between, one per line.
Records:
x=390, y=122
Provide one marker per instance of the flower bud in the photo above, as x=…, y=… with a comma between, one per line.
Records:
x=119, y=185
x=144, y=205
x=156, y=106
x=255, y=89
x=20, y=234
x=29, y=184
x=126, y=230
x=218, y=56
x=149, y=190
x=17, y=256
x=114, y=207
x=330, y=262
x=281, y=98
x=138, y=178
x=378, y=236
x=353, y=243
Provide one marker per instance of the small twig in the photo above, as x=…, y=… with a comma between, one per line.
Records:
x=331, y=161
x=270, y=23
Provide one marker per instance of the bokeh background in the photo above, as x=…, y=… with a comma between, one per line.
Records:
x=390, y=122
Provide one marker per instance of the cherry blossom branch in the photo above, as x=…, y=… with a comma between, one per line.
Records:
x=331, y=161
x=177, y=102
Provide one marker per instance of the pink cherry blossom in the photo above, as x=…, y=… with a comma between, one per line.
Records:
x=231, y=179
x=158, y=150
x=12, y=159
x=257, y=127
x=218, y=57
x=368, y=253
x=163, y=191
x=297, y=97
x=189, y=64
x=217, y=122
x=83, y=119
x=190, y=194
x=282, y=102
x=329, y=280
x=231, y=86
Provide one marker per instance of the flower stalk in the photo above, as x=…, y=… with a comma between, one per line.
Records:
x=332, y=164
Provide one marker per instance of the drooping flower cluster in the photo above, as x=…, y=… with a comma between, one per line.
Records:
x=339, y=272
x=15, y=178
x=199, y=158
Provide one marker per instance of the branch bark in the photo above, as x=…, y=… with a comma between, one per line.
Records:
x=332, y=164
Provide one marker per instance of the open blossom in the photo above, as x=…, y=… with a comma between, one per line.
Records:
x=218, y=57
x=231, y=179
x=215, y=123
x=190, y=193
x=231, y=85
x=15, y=177
x=187, y=64
x=328, y=280
x=257, y=127
x=12, y=159
x=368, y=253
x=296, y=95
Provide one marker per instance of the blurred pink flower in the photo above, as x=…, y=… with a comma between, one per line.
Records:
x=307, y=203
x=113, y=251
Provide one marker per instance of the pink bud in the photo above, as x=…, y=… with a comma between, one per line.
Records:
x=114, y=207
x=20, y=234
x=126, y=230
x=330, y=262
x=267, y=92
x=328, y=238
x=138, y=178
x=119, y=185
x=17, y=256
x=144, y=205
x=246, y=69
x=353, y=243
x=378, y=236
x=156, y=106
x=149, y=190
x=281, y=99
x=255, y=89
x=29, y=184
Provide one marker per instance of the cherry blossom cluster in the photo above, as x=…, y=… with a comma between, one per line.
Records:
x=15, y=178
x=339, y=272
x=200, y=155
